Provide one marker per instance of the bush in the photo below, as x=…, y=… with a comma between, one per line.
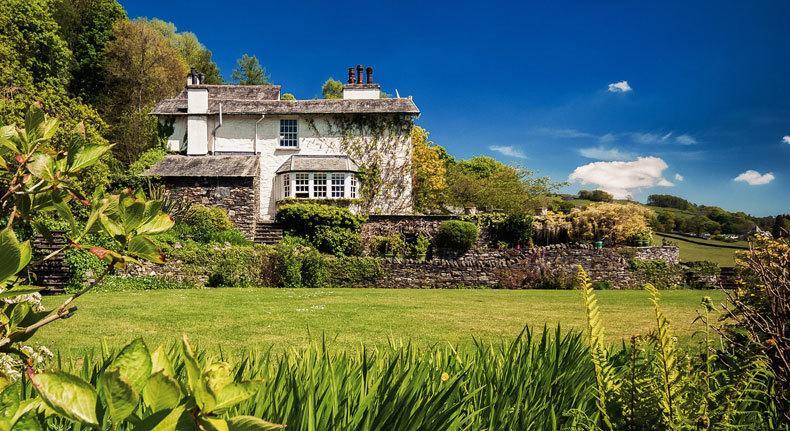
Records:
x=201, y=222
x=114, y=283
x=515, y=229
x=659, y=273
x=303, y=219
x=337, y=240
x=701, y=274
x=386, y=246
x=298, y=264
x=456, y=236
x=419, y=248
x=353, y=271
x=230, y=236
x=225, y=266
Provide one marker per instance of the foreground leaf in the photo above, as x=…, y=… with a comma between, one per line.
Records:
x=161, y=392
x=121, y=400
x=67, y=395
x=133, y=364
x=251, y=423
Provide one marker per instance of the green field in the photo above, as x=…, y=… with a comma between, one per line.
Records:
x=259, y=318
x=690, y=251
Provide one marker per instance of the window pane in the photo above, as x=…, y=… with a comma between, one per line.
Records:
x=338, y=185
x=289, y=133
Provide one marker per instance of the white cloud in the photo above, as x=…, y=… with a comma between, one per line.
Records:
x=602, y=153
x=564, y=133
x=786, y=139
x=679, y=177
x=622, y=179
x=620, y=87
x=650, y=138
x=508, y=150
x=754, y=178
x=685, y=139
x=607, y=138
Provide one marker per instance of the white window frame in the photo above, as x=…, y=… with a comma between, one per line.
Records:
x=289, y=133
x=321, y=177
x=338, y=185
x=302, y=185
x=286, y=185
x=353, y=187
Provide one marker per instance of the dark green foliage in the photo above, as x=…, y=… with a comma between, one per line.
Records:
x=659, y=273
x=596, y=195
x=201, y=222
x=116, y=283
x=669, y=201
x=388, y=246
x=418, y=247
x=330, y=229
x=229, y=236
x=332, y=89
x=298, y=264
x=514, y=230
x=781, y=226
x=353, y=271
x=701, y=274
x=248, y=71
x=456, y=236
x=225, y=266
x=337, y=240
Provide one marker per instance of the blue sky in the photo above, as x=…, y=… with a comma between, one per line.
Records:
x=707, y=100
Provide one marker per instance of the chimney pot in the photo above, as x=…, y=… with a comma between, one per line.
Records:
x=201, y=78
x=369, y=75
x=359, y=74
x=350, y=75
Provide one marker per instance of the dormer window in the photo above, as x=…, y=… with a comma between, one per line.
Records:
x=289, y=133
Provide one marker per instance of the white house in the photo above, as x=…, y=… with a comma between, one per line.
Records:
x=244, y=148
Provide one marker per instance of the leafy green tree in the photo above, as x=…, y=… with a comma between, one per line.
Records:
x=429, y=172
x=195, y=54
x=596, y=195
x=86, y=26
x=287, y=96
x=142, y=68
x=332, y=89
x=669, y=201
x=249, y=71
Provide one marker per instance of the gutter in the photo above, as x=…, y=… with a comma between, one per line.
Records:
x=217, y=128
x=255, y=141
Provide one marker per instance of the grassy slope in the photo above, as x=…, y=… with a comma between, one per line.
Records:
x=256, y=318
x=690, y=251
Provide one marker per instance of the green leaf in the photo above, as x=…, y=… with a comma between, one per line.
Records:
x=141, y=246
x=160, y=362
x=119, y=396
x=87, y=156
x=19, y=312
x=69, y=396
x=161, y=392
x=14, y=256
x=234, y=393
x=157, y=224
x=164, y=420
x=133, y=364
x=42, y=166
x=197, y=385
x=212, y=424
x=251, y=423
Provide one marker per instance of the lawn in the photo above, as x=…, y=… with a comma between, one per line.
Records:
x=258, y=318
x=690, y=251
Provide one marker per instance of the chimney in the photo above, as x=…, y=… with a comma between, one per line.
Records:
x=201, y=78
x=191, y=77
x=197, y=118
x=357, y=89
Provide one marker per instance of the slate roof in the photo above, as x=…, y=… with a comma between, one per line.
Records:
x=204, y=166
x=178, y=106
x=310, y=163
x=240, y=92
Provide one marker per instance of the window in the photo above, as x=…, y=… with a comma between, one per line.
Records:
x=353, y=187
x=289, y=133
x=302, y=183
x=338, y=185
x=287, y=186
x=319, y=185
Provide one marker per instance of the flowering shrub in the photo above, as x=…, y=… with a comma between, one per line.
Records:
x=617, y=223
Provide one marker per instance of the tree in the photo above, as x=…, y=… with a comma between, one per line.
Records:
x=485, y=183
x=781, y=227
x=142, y=68
x=287, y=96
x=248, y=71
x=195, y=54
x=596, y=196
x=615, y=222
x=86, y=26
x=332, y=89
x=669, y=201
x=428, y=172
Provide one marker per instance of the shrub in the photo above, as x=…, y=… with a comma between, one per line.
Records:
x=456, y=236
x=298, y=264
x=230, y=236
x=701, y=274
x=201, y=222
x=337, y=240
x=225, y=266
x=114, y=283
x=390, y=245
x=418, y=249
x=515, y=229
x=303, y=219
x=659, y=273
x=353, y=271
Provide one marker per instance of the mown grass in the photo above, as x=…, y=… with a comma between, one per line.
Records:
x=232, y=319
x=693, y=252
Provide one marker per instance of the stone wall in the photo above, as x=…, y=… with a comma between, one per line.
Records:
x=514, y=269
x=238, y=195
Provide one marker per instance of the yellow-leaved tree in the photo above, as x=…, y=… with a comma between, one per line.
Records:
x=428, y=171
x=615, y=222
